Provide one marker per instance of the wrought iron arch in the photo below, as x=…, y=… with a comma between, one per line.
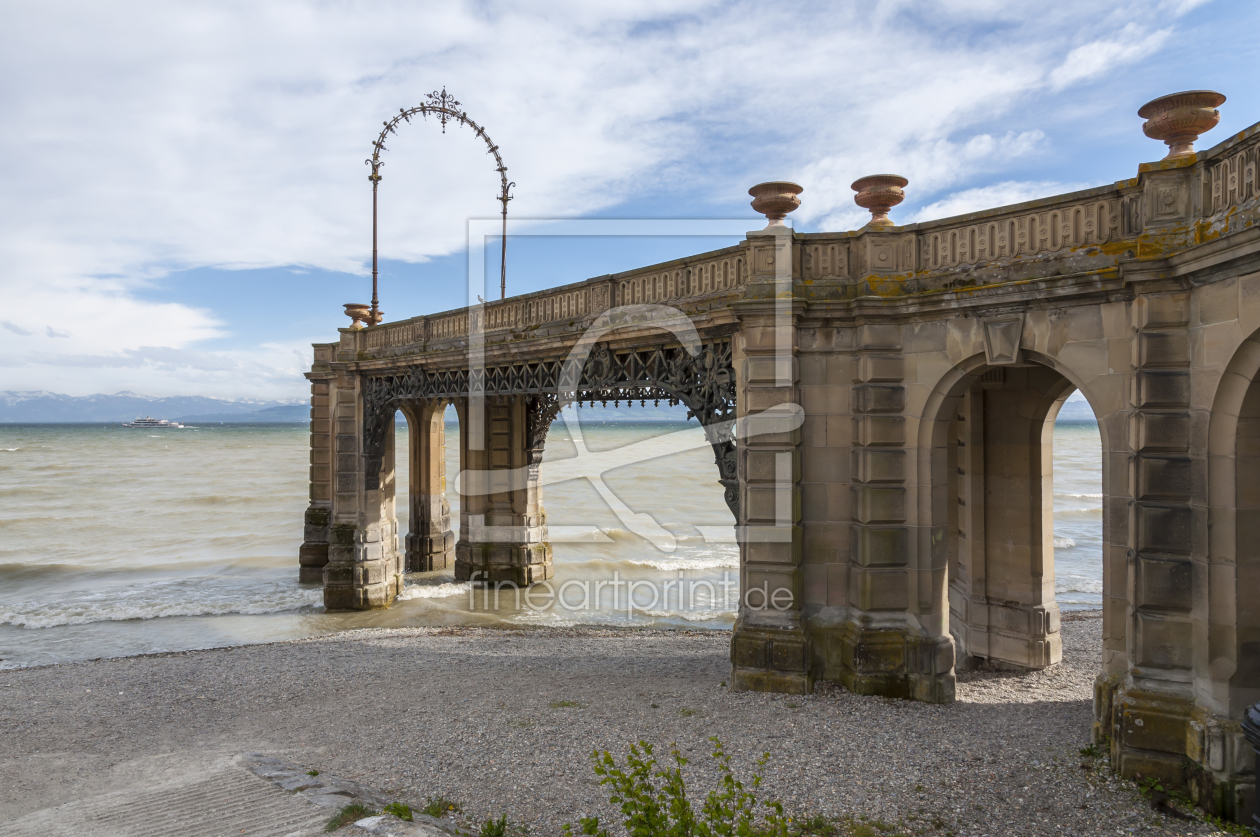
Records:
x=704, y=383
x=446, y=109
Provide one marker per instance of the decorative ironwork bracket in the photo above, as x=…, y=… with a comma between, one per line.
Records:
x=704, y=383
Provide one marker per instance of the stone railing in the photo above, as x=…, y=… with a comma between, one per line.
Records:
x=1101, y=223
x=708, y=274
x=1233, y=170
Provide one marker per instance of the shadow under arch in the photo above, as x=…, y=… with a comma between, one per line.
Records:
x=986, y=510
x=1230, y=634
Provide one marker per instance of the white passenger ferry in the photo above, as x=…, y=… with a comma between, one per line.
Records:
x=148, y=421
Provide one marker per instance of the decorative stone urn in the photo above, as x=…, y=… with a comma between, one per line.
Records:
x=879, y=193
x=1178, y=119
x=358, y=314
x=775, y=200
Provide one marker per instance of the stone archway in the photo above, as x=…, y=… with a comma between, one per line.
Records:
x=986, y=450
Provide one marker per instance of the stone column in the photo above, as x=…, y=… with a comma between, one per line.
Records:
x=364, y=567
x=313, y=554
x=895, y=641
x=430, y=544
x=770, y=650
x=503, y=527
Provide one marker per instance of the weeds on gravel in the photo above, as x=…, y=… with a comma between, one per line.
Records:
x=654, y=803
x=312, y=773
x=348, y=814
x=439, y=806
x=495, y=828
x=1093, y=751
x=400, y=810
x=565, y=704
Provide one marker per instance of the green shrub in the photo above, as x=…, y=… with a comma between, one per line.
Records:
x=653, y=799
x=398, y=809
x=495, y=828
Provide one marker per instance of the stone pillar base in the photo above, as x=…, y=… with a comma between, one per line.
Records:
x=361, y=573
x=520, y=564
x=771, y=660
x=425, y=553
x=889, y=661
x=312, y=558
x=313, y=554
x=1151, y=735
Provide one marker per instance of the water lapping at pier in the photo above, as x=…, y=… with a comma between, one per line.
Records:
x=116, y=541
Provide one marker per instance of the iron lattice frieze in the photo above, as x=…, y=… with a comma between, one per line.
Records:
x=704, y=383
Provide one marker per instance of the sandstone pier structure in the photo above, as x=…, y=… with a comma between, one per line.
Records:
x=880, y=404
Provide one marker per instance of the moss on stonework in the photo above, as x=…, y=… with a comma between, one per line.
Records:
x=342, y=534
x=318, y=516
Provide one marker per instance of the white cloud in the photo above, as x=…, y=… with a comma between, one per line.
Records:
x=1092, y=60
x=991, y=197
x=155, y=136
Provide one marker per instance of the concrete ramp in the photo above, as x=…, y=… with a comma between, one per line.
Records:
x=225, y=800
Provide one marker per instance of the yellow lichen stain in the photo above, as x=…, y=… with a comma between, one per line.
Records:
x=1168, y=165
x=1116, y=248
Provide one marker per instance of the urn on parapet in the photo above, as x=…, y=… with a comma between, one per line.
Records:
x=358, y=314
x=879, y=193
x=775, y=200
x=1178, y=119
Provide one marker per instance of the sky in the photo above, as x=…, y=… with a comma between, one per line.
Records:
x=184, y=205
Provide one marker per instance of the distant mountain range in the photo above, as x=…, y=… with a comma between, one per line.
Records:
x=53, y=408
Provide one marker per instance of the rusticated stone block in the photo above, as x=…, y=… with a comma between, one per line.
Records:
x=1163, y=389
x=880, y=336
x=880, y=546
x=773, y=369
x=789, y=655
x=881, y=368
x=1164, y=477
x=1163, y=349
x=879, y=430
x=1165, y=584
x=880, y=398
x=750, y=652
x=875, y=465
x=873, y=504
x=1163, y=310
x=1161, y=431
x=1164, y=529
x=1165, y=641
x=873, y=589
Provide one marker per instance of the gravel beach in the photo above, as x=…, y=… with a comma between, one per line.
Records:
x=504, y=722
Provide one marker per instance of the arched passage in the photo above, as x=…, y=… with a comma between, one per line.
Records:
x=992, y=509
x=430, y=543
x=1230, y=633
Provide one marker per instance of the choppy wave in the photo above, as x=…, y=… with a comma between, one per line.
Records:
x=700, y=562
x=1081, y=496
x=155, y=600
x=1076, y=584
x=434, y=591
x=1064, y=543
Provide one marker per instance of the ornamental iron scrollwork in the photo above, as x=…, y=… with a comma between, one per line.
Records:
x=704, y=383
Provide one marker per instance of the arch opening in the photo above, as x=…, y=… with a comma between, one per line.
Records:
x=995, y=500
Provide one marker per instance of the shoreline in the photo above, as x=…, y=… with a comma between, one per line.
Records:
x=503, y=720
x=422, y=630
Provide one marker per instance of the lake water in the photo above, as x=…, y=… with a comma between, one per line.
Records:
x=119, y=541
